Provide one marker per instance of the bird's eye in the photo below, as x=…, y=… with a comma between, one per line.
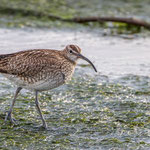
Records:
x=70, y=51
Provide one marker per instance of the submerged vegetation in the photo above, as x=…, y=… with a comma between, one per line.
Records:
x=44, y=13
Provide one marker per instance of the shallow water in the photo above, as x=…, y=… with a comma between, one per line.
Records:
x=105, y=110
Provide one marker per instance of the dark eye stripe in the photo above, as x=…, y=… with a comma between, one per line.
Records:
x=75, y=48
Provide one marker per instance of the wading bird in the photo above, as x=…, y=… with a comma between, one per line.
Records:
x=39, y=70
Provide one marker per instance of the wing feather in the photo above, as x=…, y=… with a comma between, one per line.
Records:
x=30, y=63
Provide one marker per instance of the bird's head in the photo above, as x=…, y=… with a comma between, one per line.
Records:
x=73, y=53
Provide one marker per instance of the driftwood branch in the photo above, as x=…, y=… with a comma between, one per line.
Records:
x=131, y=21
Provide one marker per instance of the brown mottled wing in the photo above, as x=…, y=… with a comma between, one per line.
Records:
x=4, y=62
x=30, y=63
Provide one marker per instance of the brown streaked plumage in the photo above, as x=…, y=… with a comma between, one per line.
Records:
x=40, y=70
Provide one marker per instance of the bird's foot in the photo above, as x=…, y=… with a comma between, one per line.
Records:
x=42, y=127
x=9, y=117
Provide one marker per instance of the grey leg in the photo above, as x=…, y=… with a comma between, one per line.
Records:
x=9, y=115
x=39, y=110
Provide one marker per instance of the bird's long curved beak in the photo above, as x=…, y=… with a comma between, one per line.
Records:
x=86, y=59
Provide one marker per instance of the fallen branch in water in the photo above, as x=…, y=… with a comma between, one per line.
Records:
x=131, y=21
x=23, y=12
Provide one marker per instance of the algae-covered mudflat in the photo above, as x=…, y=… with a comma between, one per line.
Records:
x=108, y=110
x=36, y=13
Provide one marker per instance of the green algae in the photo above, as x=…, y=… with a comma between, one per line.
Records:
x=104, y=115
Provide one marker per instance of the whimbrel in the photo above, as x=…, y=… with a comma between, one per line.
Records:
x=39, y=70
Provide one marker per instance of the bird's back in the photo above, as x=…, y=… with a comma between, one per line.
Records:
x=36, y=69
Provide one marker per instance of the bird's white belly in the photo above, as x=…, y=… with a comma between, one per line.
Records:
x=44, y=85
x=41, y=85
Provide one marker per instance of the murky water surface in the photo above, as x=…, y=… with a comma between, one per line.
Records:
x=105, y=110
